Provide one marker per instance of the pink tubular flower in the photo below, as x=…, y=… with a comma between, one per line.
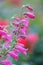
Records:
x=16, y=22
x=28, y=7
x=6, y=62
x=6, y=46
x=3, y=32
x=25, y=22
x=22, y=31
x=8, y=38
x=13, y=55
x=21, y=49
x=16, y=51
x=30, y=15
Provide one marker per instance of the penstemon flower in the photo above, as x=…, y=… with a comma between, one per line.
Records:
x=6, y=62
x=30, y=15
x=19, y=40
x=3, y=26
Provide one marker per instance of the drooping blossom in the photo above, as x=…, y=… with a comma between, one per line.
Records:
x=25, y=22
x=6, y=62
x=19, y=48
x=30, y=15
x=16, y=51
x=8, y=38
x=5, y=36
x=28, y=7
x=13, y=55
x=16, y=22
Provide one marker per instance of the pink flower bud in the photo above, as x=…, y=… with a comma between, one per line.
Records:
x=25, y=22
x=30, y=8
x=21, y=49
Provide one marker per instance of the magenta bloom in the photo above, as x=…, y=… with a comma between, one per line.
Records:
x=28, y=7
x=16, y=51
x=25, y=22
x=6, y=46
x=8, y=38
x=23, y=31
x=16, y=22
x=6, y=62
x=30, y=15
x=3, y=32
x=13, y=55
x=21, y=49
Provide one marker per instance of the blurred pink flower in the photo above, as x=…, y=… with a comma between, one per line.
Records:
x=6, y=62
x=25, y=22
x=29, y=8
x=13, y=55
x=7, y=37
x=21, y=49
x=30, y=15
x=33, y=38
x=16, y=51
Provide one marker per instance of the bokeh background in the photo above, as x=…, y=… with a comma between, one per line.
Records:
x=8, y=10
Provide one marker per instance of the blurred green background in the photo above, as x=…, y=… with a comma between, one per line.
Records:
x=7, y=11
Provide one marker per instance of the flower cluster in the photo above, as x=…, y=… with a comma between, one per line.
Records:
x=24, y=40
